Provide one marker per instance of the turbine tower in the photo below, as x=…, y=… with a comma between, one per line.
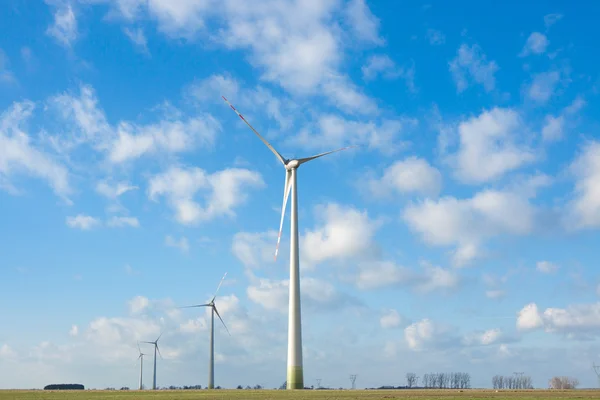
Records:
x=353, y=381
x=295, y=374
x=155, y=343
x=597, y=371
x=213, y=310
x=141, y=358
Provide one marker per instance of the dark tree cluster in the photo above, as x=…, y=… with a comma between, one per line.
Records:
x=512, y=382
x=447, y=380
x=64, y=386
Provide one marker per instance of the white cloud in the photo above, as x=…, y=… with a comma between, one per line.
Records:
x=435, y=37
x=270, y=294
x=382, y=274
x=64, y=28
x=546, y=267
x=551, y=19
x=364, y=24
x=488, y=147
x=181, y=243
x=471, y=63
x=584, y=208
x=411, y=175
x=383, y=65
x=495, y=293
x=117, y=222
x=543, y=86
x=537, y=43
x=486, y=338
x=345, y=95
x=332, y=131
x=74, y=331
x=254, y=249
x=138, y=38
x=529, y=318
x=553, y=128
x=344, y=233
x=424, y=334
x=391, y=319
x=7, y=352
x=84, y=222
x=114, y=191
x=575, y=320
x=18, y=155
x=224, y=191
x=6, y=76
x=138, y=304
x=466, y=223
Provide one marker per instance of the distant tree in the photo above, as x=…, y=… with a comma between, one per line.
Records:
x=283, y=386
x=239, y=387
x=411, y=379
x=124, y=388
x=64, y=386
x=257, y=387
x=563, y=382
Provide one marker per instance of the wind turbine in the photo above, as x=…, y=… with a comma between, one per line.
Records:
x=141, y=358
x=213, y=310
x=295, y=375
x=155, y=343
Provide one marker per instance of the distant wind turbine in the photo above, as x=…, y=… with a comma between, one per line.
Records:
x=213, y=310
x=141, y=358
x=295, y=374
x=155, y=343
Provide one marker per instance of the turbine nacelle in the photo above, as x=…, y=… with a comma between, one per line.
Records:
x=291, y=164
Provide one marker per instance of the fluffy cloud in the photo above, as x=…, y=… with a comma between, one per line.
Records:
x=485, y=338
x=114, y=191
x=19, y=156
x=254, y=250
x=345, y=233
x=64, y=28
x=411, y=175
x=74, y=331
x=426, y=334
x=382, y=65
x=543, y=86
x=84, y=222
x=381, y=274
x=435, y=37
x=471, y=64
x=554, y=126
x=546, y=267
x=391, y=319
x=536, y=44
x=332, y=131
x=224, y=191
x=575, y=320
x=584, y=208
x=488, y=146
x=182, y=243
x=467, y=222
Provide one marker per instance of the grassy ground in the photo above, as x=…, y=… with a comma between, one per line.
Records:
x=303, y=394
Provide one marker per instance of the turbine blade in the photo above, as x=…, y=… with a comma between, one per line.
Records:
x=148, y=342
x=279, y=156
x=138, y=345
x=307, y=159
x=219, y=287
x=286, y=192
x=218, y=315
x=197, y=305
x=158, y=348
x=156, y=341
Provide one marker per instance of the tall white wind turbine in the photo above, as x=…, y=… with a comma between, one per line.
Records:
x=213, y=310
x=155, y=343
x=295, y=375
x=141, y=358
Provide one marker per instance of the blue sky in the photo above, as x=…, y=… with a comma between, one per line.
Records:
x=459, y=236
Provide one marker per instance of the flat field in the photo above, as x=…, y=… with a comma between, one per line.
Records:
x=299, y=395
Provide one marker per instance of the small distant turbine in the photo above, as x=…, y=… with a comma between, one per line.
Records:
x=155, y=343
x=213, y=310
x=295, y=373
x=141, y=358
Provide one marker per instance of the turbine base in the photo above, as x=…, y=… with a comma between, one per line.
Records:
x=295, y=378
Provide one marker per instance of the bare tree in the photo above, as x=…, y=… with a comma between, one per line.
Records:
x=563, y=382
x=411, y=379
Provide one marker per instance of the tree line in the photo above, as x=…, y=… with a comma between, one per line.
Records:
x=440, y=380
x=563, y=382
x=64, y=386
x=512, y=382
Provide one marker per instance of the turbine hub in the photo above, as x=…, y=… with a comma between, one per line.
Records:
x=291, y=164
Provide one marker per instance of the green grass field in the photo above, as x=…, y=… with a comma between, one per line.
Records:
x=304, y=394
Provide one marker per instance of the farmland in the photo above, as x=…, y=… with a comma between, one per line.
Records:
x=304, y=394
